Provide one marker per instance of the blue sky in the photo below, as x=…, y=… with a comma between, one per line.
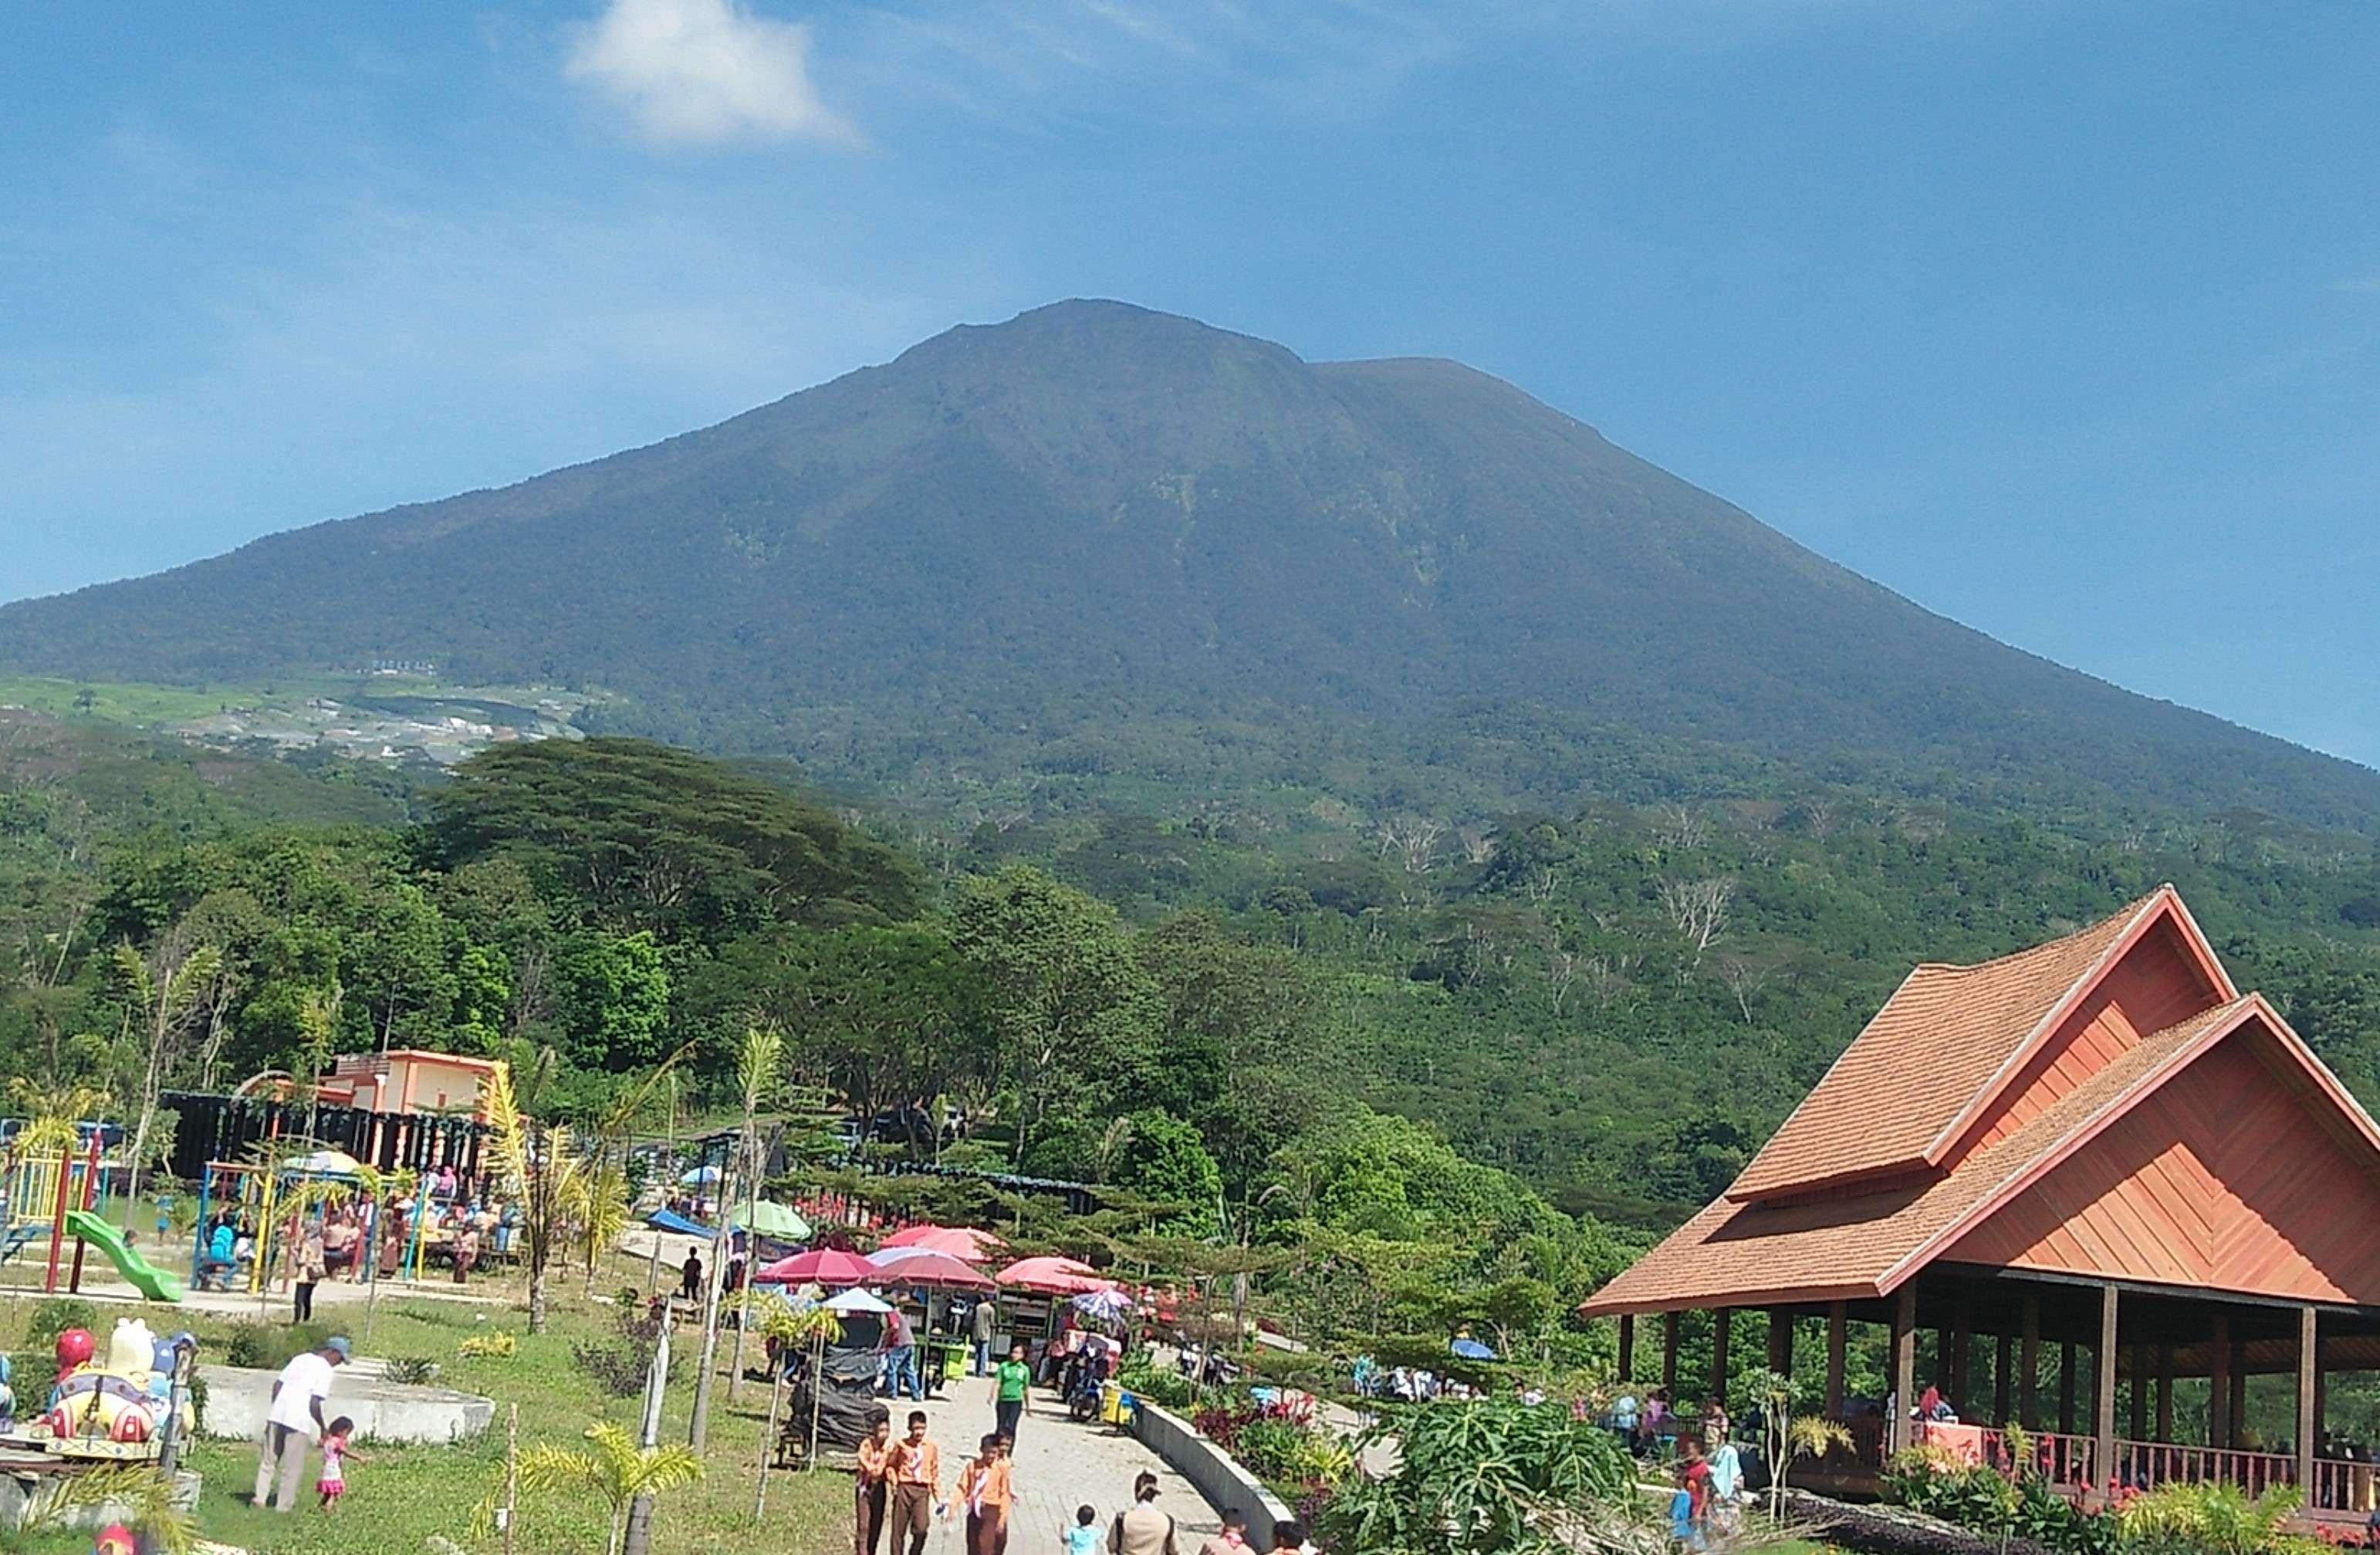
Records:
x=2061, y=318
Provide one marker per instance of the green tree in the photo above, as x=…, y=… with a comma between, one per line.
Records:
x=1074, y=1008
x=611, y=999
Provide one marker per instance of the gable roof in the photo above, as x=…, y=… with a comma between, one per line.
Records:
x=1944, y=1047
x=1867, y=1244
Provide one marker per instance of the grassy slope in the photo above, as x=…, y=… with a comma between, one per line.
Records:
x=406, y=1494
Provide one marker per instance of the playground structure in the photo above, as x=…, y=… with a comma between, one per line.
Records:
x=261, y=1201
x=54, y=1195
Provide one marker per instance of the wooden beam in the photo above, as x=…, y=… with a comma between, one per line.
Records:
x=1627, y=1347
x=1669, y=1357
x=1781, y=1342
x=2164, y=1392
x=1838, y=1323
x=2309, y=1418
x=2140, y=1428
x=1719, y=1326
x=1962, y=1329
x=2000, y=1382
x=2103, y=1399
x=1905, y=1366
x=2028, y=1388
x=2239, y=1412
x=2066, y=1387
x=2218, y=1382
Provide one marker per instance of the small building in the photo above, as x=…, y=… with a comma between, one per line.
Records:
x=2079, y=1171
x=408, y=1080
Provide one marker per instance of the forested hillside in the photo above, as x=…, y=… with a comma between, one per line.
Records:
x=1100, y=551
x=1613, y=1004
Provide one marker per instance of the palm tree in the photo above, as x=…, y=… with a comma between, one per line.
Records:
x=1812, y=1436
x=759, y=1075
x=613, y=1467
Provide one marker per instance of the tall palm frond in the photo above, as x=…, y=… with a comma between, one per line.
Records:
x=613, y=1467
x=135, y=1495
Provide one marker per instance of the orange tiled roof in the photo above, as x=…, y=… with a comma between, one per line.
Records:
x=1866, y=1244
x=1926, y=1061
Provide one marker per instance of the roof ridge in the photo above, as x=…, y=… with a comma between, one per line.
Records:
x=2126, y=914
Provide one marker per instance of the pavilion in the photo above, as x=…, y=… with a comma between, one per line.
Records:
x=2098, y=1145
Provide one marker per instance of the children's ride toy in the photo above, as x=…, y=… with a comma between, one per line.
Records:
x=114, y=1407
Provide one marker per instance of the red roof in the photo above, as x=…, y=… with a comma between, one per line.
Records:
x=1931, y=1159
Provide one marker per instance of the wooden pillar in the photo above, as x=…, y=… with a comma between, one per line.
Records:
x=2000, y=1382
x=2238, y=1411
x=2103, y=1399
x=1669, y=1357
x=2309, y=1418
x=2028, y=1387
x=2066, y=1387
x=2218, y=1382
x=1781, y=1342
x=2140, y=1428
x=1962, y=1325
x=1627, y=1347
x=1904, y=1367
x=1719, y=1326
x=2164, y=1392
x=1838, y=1322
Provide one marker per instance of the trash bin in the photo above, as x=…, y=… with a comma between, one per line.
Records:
x=1116, y=1406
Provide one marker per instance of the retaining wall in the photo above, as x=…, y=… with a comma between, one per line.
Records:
x=1217, y=1474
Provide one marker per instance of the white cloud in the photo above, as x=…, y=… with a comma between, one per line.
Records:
x=704, y=72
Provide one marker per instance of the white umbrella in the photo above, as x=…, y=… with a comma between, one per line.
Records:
x=856, y=1300
x=701, y=1176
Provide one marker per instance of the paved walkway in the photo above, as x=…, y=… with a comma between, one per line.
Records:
x=1060, y=1465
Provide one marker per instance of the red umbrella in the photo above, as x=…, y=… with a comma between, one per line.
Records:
x=826, y=1266
x=917, y=1270
x=1053, y=1276
x=960, y=1241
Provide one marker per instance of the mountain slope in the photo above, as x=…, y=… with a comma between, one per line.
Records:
x=1098, y=538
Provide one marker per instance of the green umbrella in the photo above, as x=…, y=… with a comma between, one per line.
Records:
x=771, y=1220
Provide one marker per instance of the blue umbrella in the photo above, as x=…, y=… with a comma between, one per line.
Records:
x=701, y=1177
x=1472, y=1349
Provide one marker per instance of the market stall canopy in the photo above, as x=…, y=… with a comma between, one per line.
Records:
x=770, y=1218
x=849, y=1302
x=960, y=1241
x=678, y=1225
x=824, y=1266
x=1052, y=1276
x=915, y=1268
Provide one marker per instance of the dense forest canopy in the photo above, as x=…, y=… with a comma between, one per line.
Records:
x=1613, y=1005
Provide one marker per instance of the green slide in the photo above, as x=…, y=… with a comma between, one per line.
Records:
x=144, y=1276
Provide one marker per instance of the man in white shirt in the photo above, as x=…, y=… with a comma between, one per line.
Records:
x=293, y=1423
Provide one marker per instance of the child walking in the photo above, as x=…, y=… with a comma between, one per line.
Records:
x=1083, y=1538
x=984, y=1487
x=336, y=1451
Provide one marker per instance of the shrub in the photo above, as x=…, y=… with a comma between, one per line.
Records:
x=265, y=1347
x=1472, y=1474
x=416, y=1371
x=54, y=1316
x=495, y=1345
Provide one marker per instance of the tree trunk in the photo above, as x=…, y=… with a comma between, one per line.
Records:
x=700, y=1427
x=752, y=1244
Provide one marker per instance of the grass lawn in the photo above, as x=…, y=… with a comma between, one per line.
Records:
x=406, y=1494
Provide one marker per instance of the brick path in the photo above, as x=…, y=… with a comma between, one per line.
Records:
x=1060, y=1465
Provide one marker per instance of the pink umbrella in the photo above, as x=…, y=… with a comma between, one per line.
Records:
x=825, y=1266
x=917, y=1270
x=960, y=1241
x=1052, y=1276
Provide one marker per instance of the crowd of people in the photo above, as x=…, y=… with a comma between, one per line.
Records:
x=337, y=1239
x=899, y=1488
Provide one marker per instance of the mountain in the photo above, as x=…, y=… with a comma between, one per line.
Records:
x=1098, y=542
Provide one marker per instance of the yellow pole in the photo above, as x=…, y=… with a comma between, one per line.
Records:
x=264, y=1235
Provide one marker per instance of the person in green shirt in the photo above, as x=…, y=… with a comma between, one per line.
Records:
x=1012, y=1382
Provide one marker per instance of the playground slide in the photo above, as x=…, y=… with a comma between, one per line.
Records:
x=144, y=1276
